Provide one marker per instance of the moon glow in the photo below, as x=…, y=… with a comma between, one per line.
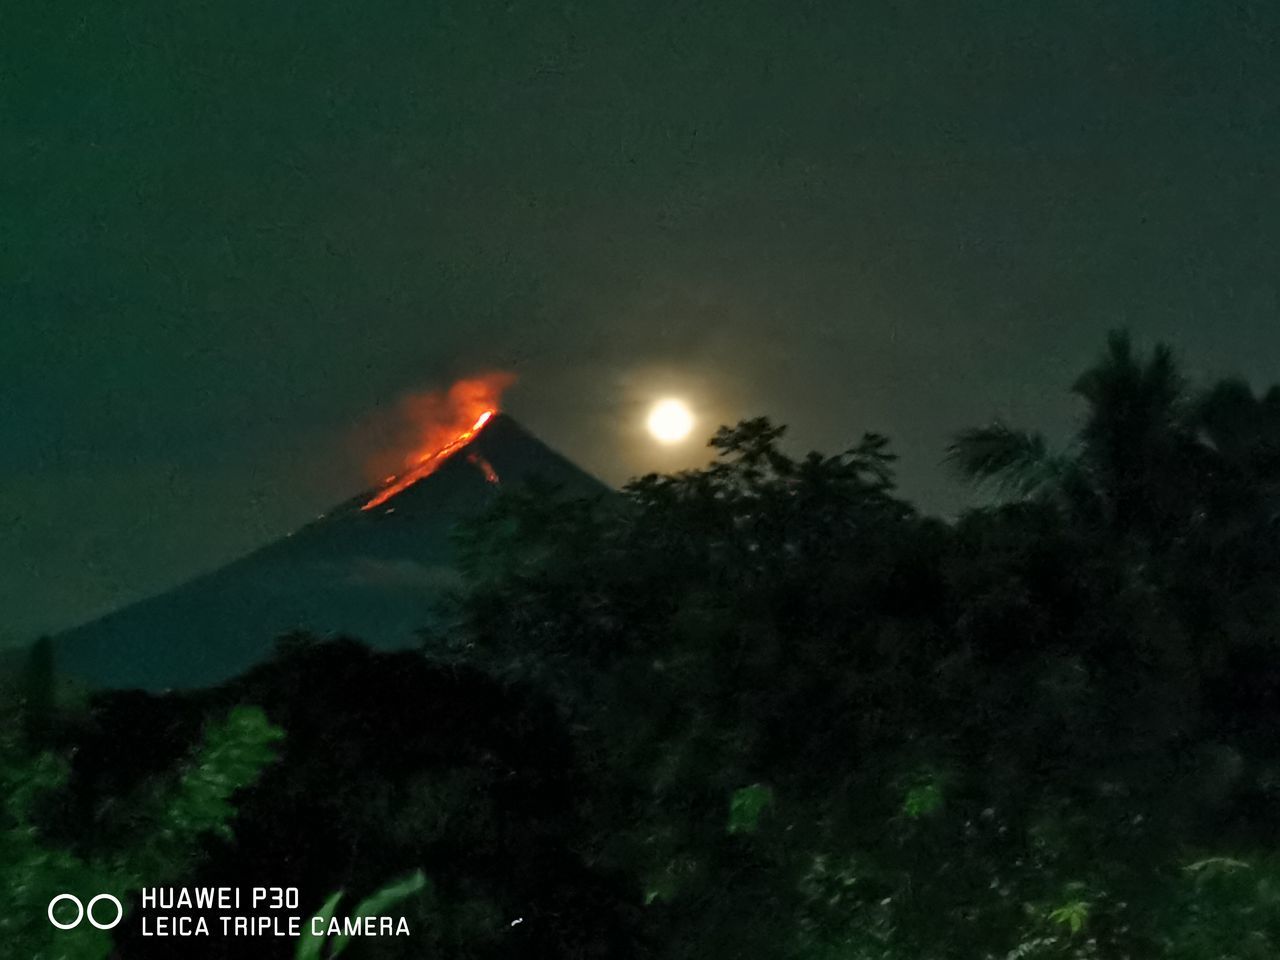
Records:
x=670, y=421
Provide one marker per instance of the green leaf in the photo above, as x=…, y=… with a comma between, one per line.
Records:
x=1072, y=915
x=311, y=946
x=747, y=806
x=1215, y=865
x=922, y=800
x=374, y=904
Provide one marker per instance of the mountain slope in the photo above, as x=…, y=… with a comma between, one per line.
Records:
x=374, y=574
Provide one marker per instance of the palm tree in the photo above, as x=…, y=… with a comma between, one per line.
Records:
x=1149, y=458
x=1243, y=431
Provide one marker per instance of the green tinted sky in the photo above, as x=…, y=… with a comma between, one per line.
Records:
x=230, y=232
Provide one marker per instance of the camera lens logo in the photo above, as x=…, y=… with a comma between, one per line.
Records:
x=82, y=911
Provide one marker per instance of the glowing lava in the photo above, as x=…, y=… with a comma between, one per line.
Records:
x=428, y=463
x=484, y=466
x=440, y=424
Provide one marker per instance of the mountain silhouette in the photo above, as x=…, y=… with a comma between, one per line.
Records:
x=375, y=574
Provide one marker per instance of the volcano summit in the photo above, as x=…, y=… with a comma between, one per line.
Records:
x=372, y=568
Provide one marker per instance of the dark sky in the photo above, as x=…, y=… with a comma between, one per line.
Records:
x=232, y=231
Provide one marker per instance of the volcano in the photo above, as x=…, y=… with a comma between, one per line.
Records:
x=374, y=567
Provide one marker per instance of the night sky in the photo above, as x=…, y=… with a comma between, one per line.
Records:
x=233, y=234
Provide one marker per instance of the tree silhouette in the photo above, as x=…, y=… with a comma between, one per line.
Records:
x=1150, y=458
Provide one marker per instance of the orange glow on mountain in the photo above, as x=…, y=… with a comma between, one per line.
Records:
x=443, y=422
x=484, y=466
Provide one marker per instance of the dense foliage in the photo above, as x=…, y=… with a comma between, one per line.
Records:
x=828, y=726
x=390, y=764
x=153, y=836
x=768, y=709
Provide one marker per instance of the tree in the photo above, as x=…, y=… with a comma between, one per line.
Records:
x=822, y=725
x=170, y=821
x=37, y=699
x=1136, y=460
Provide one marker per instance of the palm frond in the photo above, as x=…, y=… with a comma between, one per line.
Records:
x=1014, y=461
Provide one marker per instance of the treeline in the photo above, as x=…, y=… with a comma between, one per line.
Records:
x=768, y=709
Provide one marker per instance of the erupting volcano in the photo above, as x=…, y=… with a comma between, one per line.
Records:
x=440, y=423
x=427, y=464
x=374, y=574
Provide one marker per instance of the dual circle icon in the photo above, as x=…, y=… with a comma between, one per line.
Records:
x=82, y=911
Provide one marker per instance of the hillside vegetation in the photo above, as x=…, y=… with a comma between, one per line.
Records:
x=770, y=709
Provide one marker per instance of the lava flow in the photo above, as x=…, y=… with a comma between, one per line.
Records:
x=426, y=465
x=484, y=466
x=442, y=423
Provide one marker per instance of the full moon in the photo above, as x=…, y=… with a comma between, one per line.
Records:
x=670, y=421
